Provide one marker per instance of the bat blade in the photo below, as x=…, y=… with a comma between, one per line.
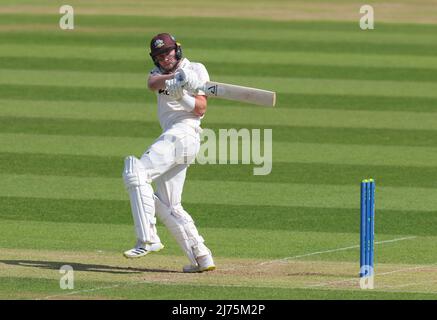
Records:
x=240, y=93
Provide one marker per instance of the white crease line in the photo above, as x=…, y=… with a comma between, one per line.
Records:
x=334, y=250
x=126, y=284
x=263, y=263
x=282, y=260
x=407, y=285
x=130, y=284
x=78, y=292
x=408, y=269
x=333, y=282
x=376, y=275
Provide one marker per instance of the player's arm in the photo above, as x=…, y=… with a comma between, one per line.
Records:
x=200, y=105
x=194, y=81
x=193, y=102
x=156, y=82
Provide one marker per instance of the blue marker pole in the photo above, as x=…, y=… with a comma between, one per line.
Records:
x=363, y=228
x=368, y=208
x=372, y=224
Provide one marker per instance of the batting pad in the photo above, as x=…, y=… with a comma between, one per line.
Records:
x=141, y=200
x=181, y=226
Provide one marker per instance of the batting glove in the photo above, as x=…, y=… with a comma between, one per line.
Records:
x=190, y=79
x=174, y=88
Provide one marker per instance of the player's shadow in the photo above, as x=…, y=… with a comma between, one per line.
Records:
x=56, y=265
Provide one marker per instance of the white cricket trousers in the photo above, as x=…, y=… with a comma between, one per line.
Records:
x=165, y=163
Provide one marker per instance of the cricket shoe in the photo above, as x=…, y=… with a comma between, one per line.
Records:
x=138, y=252
x=204, y=263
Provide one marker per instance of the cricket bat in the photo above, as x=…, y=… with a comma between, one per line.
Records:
x=240, y=93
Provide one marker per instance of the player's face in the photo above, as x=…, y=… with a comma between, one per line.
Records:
x=167, y=60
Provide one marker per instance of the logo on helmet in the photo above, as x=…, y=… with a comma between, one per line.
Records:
x=158, y=43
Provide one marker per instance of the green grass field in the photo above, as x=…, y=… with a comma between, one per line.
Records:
x=351, y=104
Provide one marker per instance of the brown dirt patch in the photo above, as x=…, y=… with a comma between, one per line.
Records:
x=107, y=267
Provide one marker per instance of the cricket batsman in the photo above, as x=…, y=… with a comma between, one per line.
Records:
x=181, y=106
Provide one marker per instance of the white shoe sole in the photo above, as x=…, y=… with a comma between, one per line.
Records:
x=193, y=269
x=128, y=256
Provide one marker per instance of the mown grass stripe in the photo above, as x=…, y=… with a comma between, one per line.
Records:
x=319, y=118
x=253, y=243
x=190, y=41
x=185, y=31
x=118, y=237
x=227, y=68
x=110, y=128
x=219, y=192
x=219, y=23
x=254, y=292
x=363, y=88
x=63, y=95
x=224, y=28
x=237, y=117
x=208, y=56
x=25, y=287
x=121, y=21
x=299, y=219
x=73, y=145
x=283, y=172
x=282, y=151
x=78, y=101
x=280, y=85
x=333, y=132
x=250, y=56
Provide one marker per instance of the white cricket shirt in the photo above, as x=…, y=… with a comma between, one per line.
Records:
x=170, y=111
